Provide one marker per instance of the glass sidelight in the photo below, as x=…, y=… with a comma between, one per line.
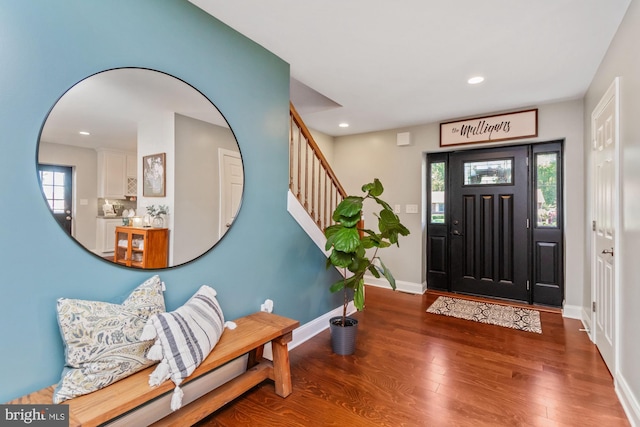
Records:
x=437, y=192
x=546, y=195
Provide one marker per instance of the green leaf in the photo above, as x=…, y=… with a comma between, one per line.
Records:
x=331, y=230
x=358, y=264
x=330, y=233
x=358, y=295
x=349, y=207
x=388, y=275
x=340, y=259
x=346, y=240
x=384, y=204
x=349, y=221
x=374, y=188
x=337, y=286
x=388, y=219
x=352, y=282
x=373, y=270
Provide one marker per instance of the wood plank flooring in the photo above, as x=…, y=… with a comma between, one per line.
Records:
x=413, y=368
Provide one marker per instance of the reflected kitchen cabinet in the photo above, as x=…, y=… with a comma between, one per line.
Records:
x=104, y=234
x=112, y=173
x=141, y=247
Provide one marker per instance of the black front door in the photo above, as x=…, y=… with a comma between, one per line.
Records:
x=489, y=239
x=56, y=188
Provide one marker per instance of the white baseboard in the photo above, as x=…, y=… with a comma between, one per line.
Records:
x=310, y=329
x=408, y=287
x=628, y=400
x=586, y=321
x=572, y=311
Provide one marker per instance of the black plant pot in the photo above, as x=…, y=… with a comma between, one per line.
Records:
x=343, y=338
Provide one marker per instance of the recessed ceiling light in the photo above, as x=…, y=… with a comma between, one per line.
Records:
x=475, y=80
x=84, y=132
x=344, y=125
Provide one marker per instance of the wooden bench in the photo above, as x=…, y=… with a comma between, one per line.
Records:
x=250, y=336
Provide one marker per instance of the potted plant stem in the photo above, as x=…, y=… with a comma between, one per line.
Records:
x=349, y=242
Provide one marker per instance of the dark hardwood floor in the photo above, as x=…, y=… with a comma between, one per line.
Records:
x=412, y=368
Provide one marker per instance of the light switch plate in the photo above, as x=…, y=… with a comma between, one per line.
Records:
x=397, y=209
x=411, y=209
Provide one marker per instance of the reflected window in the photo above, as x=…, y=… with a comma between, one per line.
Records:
x=56, y=186
x=437, y=192
x=488, y=172
x=546, y=189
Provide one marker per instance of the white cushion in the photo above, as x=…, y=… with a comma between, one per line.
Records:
x=184, y=338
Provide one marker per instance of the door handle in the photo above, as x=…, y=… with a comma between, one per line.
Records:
x=456, y=233
x=610, y=252
x=68, y=218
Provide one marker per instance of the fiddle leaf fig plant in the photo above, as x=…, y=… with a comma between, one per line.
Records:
x=349, y=243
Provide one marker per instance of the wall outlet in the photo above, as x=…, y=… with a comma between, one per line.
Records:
x=267, y=306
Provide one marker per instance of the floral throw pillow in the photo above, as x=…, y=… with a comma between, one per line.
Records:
x=102, y=340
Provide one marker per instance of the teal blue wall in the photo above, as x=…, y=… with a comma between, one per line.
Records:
x=47, y=46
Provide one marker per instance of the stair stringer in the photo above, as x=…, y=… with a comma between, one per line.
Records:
x=299, y=213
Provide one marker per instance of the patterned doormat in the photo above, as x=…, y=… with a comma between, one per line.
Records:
x=493, y=314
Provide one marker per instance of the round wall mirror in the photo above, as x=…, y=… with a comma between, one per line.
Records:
x=140, y=168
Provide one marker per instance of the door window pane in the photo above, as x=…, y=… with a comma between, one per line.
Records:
x=547, y=189
x=53, y=187
x=437, y=192
x=488, y=172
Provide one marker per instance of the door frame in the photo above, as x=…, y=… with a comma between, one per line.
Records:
x=613, y=92
x=438, y=235
x=69, y=225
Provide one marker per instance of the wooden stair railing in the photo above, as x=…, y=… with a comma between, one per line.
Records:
x=311, y=179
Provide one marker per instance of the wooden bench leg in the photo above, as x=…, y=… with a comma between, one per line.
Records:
x=281, y=368
x=255, y=356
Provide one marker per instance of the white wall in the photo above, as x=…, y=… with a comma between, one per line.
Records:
x=196, y=213
x=157, y=135
x=623, y=61
x=85, y=186
x=358, y=159
x=325, y=142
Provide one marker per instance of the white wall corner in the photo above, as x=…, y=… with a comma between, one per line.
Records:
x=303, y=218
x=572, y=311
x=310, y=329
x=628, y=400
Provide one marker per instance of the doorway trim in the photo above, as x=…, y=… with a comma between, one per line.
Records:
x=612, y=94
x=545, y=240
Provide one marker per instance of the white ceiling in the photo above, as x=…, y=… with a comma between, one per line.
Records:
x=110, y=105
x=392, y=64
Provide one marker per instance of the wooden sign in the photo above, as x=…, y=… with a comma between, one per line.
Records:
x=499, y=127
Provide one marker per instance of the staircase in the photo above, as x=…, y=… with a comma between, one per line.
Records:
x=314, y=189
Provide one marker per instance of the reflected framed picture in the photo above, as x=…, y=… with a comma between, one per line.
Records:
x=153, y=175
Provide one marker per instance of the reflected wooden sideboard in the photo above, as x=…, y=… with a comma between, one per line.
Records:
x=141, y=247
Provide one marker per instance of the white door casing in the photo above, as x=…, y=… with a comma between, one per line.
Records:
x=231, y=183
x=605, y=211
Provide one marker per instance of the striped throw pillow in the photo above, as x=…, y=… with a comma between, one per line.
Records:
x=184, y=338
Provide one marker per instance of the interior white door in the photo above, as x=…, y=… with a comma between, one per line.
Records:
x=604, y=127
x=231, y=183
